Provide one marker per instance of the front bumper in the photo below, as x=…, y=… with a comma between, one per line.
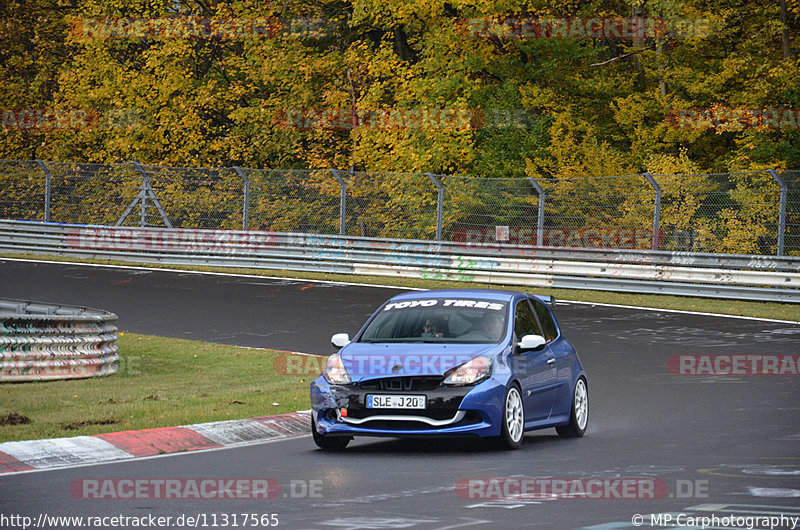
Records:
x=450, y=410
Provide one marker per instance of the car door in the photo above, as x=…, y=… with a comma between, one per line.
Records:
x=536, y=369
x=564, y=355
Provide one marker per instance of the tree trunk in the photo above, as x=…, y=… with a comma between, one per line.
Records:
x=787, y=53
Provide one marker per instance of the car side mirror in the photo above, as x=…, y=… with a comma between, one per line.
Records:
x=340, y=340
x=531, y=342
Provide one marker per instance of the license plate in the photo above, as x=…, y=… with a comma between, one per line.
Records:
x=388, y=401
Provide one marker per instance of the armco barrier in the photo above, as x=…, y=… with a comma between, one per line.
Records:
x=675, y=273
x=43, y=341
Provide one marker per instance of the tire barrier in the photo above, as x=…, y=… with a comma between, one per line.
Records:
x=44, y=341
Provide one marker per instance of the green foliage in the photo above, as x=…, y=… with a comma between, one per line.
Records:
x=560, y=110
x=219, y=101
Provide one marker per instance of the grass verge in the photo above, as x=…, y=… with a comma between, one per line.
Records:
x=161, y=382
x=772, y=310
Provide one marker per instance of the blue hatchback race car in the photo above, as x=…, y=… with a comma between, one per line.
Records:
x=452, y=362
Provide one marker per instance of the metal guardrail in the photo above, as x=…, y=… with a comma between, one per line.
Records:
x=41, y=341
x=674, y=273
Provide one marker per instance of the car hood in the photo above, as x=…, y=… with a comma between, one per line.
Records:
x=365, y=361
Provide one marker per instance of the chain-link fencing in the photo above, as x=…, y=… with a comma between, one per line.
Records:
x=756, y=212
x=291, y=201
x=610, y=212
x=90, y=193
x=792, y=237
x=22, y=190
x=725, y=212
x=474, y=208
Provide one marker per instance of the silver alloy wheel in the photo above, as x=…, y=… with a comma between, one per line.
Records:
x=581, y=404
x=514, y=414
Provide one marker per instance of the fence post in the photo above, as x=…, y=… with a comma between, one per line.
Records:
x=143, y=202
x=782, y=209
x=439, y=204
x=141, y=197
x=47, y=190
x=342, y=202
x=145, y=186
x=656, y=208
x=148, y=190
x=540, y=214
x=246, y=206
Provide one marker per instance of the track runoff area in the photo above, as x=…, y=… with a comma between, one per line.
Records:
x=693, y=423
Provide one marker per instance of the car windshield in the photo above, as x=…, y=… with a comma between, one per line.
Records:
x=444, y=320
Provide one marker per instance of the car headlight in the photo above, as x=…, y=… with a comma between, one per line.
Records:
x=470, y=372
x=335, y=371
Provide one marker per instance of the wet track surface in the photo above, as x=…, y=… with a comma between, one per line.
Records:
x=713, y=445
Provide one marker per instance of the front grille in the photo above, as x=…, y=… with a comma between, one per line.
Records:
x=406, y=384
x=470, y=418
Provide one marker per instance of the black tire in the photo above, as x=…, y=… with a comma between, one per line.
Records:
x=512, y=427
x=579, y=416
x=328, y=443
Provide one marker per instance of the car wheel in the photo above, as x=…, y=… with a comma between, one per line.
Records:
x=513, y=426
x=579, y=418
x=328, y=443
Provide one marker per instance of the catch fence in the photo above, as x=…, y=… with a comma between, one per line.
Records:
x=755, y=212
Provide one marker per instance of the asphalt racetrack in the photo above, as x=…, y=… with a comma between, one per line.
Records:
x=662, y=451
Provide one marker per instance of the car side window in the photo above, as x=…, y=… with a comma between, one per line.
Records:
x=525, y=321
x=546, y=319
